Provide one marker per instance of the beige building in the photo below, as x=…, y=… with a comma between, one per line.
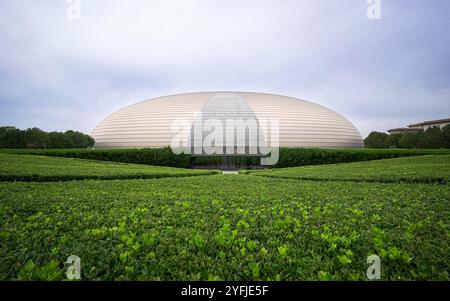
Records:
x=421, y=127
x=429, y=124
x=301, y=123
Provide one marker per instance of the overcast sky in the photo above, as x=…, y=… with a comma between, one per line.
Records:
x=59, y=73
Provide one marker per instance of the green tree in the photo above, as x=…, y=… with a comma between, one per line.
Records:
x=59, y=140
x=409, y=140
x=446, y=136
x=3, y=131
x=434, y=137
x=376, y=140
x=12, y=138
x=393, y=141
x=79, y=140
x=421, y=140
x=35, y=138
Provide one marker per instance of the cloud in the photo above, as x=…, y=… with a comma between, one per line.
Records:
x=61, y=74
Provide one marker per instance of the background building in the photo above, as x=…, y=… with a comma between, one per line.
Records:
x=421, y=127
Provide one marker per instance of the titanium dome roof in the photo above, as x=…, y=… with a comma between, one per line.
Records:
x=301, y=123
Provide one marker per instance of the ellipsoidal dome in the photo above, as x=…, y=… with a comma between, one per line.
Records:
x=301, y=123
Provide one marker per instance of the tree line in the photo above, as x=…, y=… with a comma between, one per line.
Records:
x=432, y=138
x=11, y=137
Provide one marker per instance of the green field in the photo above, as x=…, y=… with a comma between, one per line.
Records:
x=41, y=168
x=424, y=169
x=227, y=227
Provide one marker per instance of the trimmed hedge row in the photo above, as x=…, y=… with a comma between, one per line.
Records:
x=289, y=157
x=148, y=156
x=65, y=178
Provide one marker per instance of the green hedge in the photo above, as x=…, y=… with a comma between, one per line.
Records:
x=154, y=156
x=289, y=157
x=64, y=178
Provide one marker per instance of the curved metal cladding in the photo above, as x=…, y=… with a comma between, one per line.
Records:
x=301, y=123
x=239, y=130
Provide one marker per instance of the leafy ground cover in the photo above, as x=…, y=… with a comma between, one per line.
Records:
x=41, y=168
x=423, y=169
x=239, y=227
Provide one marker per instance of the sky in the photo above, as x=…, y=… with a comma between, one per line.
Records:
x=62, y=70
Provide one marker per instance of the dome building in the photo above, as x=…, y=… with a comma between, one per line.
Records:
x=150, y=123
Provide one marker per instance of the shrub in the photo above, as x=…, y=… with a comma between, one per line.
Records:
x=289, y=157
